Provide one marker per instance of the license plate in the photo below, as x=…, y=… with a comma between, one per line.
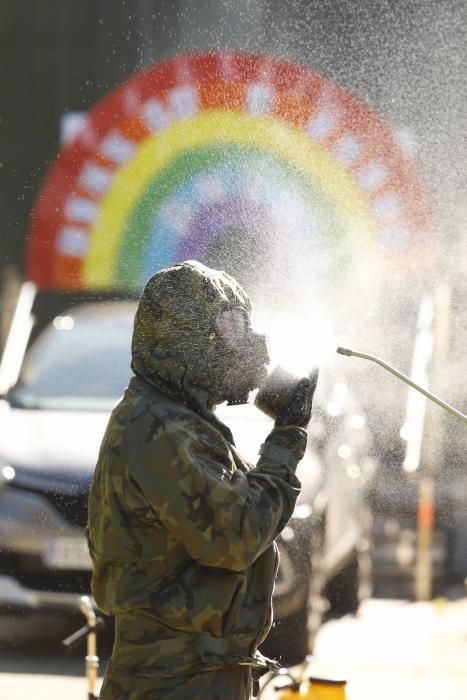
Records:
x=67, y=553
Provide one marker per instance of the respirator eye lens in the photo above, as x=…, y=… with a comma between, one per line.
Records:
x=233, y=327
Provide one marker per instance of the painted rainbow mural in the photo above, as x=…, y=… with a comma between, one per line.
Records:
x=192, y=151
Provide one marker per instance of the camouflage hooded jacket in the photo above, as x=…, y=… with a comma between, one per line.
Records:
x=181, y=528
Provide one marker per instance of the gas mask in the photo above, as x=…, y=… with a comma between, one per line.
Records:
x=239, y=359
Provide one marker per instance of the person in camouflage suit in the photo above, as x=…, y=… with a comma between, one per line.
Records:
x=181, y=529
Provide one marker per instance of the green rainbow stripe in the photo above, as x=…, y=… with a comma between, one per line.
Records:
x=187, y=165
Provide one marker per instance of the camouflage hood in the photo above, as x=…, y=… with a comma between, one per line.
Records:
x=176, y=314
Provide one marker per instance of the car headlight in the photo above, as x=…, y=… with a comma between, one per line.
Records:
x=7, y=474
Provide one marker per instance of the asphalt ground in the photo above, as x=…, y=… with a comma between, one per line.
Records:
x=392, y=650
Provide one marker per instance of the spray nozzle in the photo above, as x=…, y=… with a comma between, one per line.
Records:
x=407, y=380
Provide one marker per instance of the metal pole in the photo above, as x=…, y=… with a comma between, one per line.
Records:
x=9, y=293
x=92, y=660
x=18, y=337
x=431, y=453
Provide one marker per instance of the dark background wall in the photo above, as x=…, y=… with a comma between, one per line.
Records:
x=55, y=56
x=406, y=59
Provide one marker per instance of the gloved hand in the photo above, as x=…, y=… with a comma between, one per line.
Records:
x=298, y=409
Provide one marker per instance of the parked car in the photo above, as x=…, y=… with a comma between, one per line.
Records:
x=52, y=420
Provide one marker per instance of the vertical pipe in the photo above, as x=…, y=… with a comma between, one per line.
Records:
x=431, y=454
x=18, y=337
x=92, y=660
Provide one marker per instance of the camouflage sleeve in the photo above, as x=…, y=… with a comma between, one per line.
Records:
x=224, y=520
x=283, y=449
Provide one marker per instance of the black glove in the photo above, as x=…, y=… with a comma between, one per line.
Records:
x=298, y=409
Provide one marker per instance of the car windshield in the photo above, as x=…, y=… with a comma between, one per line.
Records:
x=81, y=362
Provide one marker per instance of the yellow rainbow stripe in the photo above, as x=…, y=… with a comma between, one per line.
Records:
x=209, y=129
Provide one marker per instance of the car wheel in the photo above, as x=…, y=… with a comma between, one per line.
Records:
x=288, y=640
x=343, y=591
x=355, y=581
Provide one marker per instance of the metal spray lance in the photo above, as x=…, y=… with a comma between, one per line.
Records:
x=404, y=378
